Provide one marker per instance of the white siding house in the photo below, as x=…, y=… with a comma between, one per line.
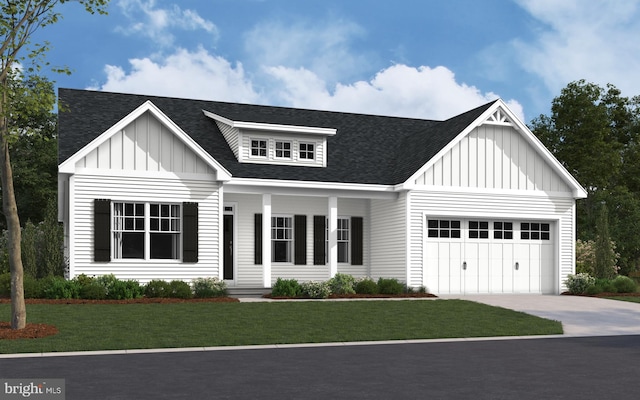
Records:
x=165, y=188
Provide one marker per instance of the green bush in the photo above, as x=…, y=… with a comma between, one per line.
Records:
x=593, y=290
x=578, y=284
x=390, y=286
x=59, y=288
x=286, y=288
x=315, y=290
x=124, y=290
x=606, y=285
x=180, y=290
x=157, y=288
x=33, y=288
x=5, y=284
x=342, y=284
x=208, y=287
x=93, y=291
x=624, y=284
x=366, y=286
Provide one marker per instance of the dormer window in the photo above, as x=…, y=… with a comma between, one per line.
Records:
x=307, y=151
x=283, y=149
x=258, y=148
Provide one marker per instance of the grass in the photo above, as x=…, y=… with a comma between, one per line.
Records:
x=138, y=326
x=632, y=299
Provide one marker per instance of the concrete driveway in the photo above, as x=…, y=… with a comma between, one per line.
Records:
x=580, y=316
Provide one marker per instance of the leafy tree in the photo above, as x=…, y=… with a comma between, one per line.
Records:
x=19, y=98
x=605, y=265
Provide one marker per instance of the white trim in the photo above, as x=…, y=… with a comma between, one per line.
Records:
x=475, y=190
x=332, y=213
x=499, y=105
x=146, y=174
x=263, y=126
x=278, y=183
x=266, y=240
x=71, y=225
x=69, y=165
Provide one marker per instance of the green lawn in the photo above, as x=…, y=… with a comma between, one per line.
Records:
x=632, y=299
x=138, y=326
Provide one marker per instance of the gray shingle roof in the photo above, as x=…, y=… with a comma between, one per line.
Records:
x=366, y=149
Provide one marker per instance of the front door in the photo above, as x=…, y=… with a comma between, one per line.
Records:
x=228, y=247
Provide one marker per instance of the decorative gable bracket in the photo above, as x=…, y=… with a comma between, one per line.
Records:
x=499, y=117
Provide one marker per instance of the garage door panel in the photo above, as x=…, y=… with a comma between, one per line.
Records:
x=514, y=257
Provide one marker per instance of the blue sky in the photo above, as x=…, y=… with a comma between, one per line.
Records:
x=416, y=58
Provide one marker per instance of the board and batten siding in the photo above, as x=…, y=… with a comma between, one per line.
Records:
x=389, y=239
x=486, y=205
x=145, y=145
x=205, y=192
x=493, y=157
x=248, y=274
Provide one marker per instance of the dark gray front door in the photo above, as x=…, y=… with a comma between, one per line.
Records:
x=228, y=247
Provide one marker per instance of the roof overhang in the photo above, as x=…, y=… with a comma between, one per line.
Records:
x=262, y=126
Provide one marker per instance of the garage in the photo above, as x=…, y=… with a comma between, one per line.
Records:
x=480, y=255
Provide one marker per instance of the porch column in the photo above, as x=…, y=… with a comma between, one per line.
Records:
x=332, y=255
x=266, y=240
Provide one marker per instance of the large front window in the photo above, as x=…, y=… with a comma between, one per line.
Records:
x=136, y=224
x=281, y=239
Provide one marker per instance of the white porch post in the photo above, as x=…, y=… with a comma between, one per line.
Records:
x=332, y=256
x=266, y=240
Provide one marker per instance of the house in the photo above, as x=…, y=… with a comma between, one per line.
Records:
x=166, y=188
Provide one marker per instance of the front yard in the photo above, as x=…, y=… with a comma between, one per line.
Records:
x=84, y=327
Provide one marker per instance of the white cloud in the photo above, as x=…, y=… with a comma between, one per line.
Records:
x=196, y=75
x=155, y=23
x=596, y=40
x=399, y=90
x=323, y=46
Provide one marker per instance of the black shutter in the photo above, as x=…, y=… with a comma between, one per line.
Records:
x=102, y=230
x=356, y=241
x=190, y=232
x=257, y=242
x=319, y=239
x=300, y=239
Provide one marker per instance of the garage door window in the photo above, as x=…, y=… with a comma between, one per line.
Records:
x=443, y=228
x=503, y=230
x=478, y=229
x=534, y=231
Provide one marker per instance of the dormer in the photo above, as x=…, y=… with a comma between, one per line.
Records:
x=266, y=143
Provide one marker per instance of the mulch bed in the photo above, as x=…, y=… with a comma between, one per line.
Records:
x=361, y=296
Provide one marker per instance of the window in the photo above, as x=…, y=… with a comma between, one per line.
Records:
x=478, y=229
x=534, y=231
x=283, y=149
x=503, y=230
x=128, y=230
x=164, y=236
x=258, y=148
x=343, y=234
x=443, y=228
x=307, y=151
x=281, y=239
x=133, y=227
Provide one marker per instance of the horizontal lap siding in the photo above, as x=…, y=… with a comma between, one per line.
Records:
x=250, y=275
x=388, y=238
x=205, y=193
x=485, y=205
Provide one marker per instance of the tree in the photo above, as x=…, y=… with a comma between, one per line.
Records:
x=605, y=255
x=595, y=133
x=19, y=19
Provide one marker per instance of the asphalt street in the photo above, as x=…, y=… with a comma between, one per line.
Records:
x=600, y=367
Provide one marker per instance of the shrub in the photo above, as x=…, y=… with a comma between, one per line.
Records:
x=5, y=285
x=122, y=290
x=108, y=282
x=593, y=290
x=59, y=288
x=366, y=286
x=578, y=284
x=342, y=284
x=390, y=286
x=180, y=290
x=93, y=291
x=606, y=285
x=157, y=288
x=286, y=288
x=33, y=288
x=315, y=290
x=208, y=287
x=624, y=284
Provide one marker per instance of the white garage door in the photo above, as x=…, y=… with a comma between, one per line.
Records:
x=489, y=256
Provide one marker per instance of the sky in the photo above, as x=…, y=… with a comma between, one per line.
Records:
x=428, y=59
